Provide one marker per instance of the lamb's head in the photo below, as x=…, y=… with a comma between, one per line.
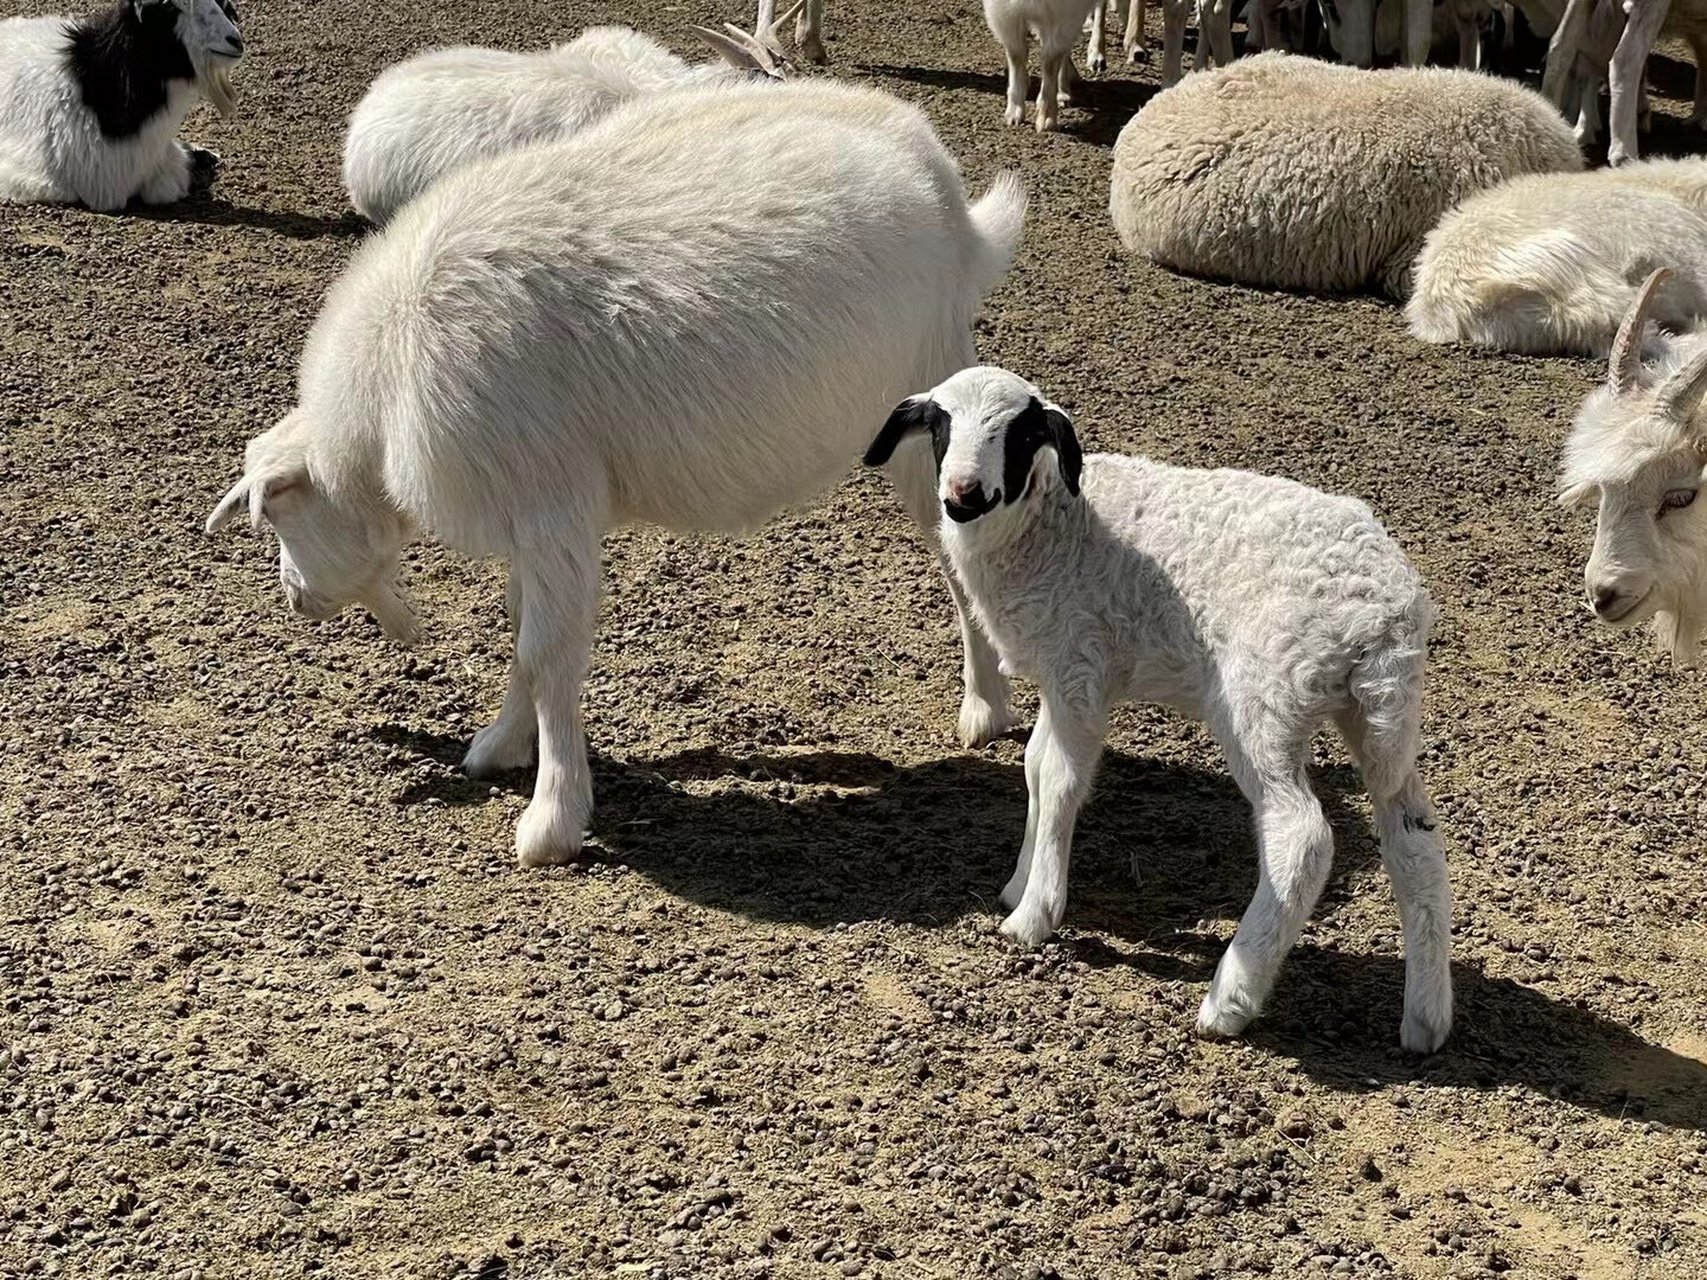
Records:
x=999, y=443
x=203, y=31
x=335, y=550
x=1637, y=451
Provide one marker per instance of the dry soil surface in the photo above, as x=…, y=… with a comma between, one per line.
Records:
x=277, y=1001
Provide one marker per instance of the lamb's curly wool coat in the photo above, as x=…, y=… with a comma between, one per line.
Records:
x=1551, y=262
x=1288, y=172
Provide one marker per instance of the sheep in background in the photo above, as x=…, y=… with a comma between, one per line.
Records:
x=1288, y=172
x=1259, y=606
x=1647, y=21
x=90, y=107
x=1056, y=24
x=1637, y=451
x=688, y=315
x=442, y=110
x=1551, y=262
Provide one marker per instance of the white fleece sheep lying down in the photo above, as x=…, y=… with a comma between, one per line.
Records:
x=441, y=110
x=1261, y=607
x=1299, y=174
x=1551, y=263
x=689, y=315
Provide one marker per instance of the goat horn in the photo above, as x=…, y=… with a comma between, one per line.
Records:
x=734, y=52
x=1625, y=362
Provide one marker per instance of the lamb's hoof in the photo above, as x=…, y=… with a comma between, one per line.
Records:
x=1028, y=929
x=1428, y=1019
x=496, y=750
x=204, y=168
x=1015, y=116
x=547, y=838
x=981, y=723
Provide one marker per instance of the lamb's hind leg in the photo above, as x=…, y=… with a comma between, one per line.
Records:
x=1295, y=849
x=559, y=603
x=984, y=710
x=508, y=742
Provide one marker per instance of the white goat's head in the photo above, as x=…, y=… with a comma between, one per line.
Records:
x=998, y=442
x=206, y=32
x=1638, y=449
x=333, y=551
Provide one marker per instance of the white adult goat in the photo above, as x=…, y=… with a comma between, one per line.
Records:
x=1637, y=452
x=1261, y=607
x=688, y=315
x=447, y=108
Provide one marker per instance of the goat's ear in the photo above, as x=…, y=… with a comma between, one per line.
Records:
x=1067, y=452
x=1681, y=392
x=916, y=413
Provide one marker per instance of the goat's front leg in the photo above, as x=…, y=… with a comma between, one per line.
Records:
x=508, y=742
x=170, y=181
x=1133, y=42
x=1096, y=58
x=559, y=592
x=1068, y=742
x=1629, y=66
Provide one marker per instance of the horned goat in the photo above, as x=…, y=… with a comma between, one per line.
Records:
x=447, y=108
x=1254, y=604
x=1637, y=451
x=1284, y=171
x=90, y=107
x=688, y=315
x=1551, y=262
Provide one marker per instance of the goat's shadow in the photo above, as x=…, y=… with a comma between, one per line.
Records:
x=824, y=837
x=1099, y=112
x=210, y=210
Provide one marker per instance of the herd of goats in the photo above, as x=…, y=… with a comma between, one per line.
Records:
x=609, y=286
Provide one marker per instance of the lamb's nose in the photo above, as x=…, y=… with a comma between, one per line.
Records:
x=1605, y=598
x=965, y=493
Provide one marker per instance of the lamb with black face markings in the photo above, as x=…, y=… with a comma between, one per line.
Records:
x=90, y=107
x=1261, y=607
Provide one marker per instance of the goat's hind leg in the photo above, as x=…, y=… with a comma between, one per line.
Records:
x=1295, y=850
x=508, y=742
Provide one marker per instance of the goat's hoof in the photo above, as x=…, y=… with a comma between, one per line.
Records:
x=1014, y=116
x=1028, y=929
x=1425, y=1029
x=1221, y=1020
x=1047, y=124
x=982, y=722
x=204, y=167
x=1098, y=64
x=496, y=750
x=546, y=838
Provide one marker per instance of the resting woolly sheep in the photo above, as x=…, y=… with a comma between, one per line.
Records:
x=1551, y=262
x=1056, y=24
x=1252, y=603
x=688, y=315
x=445, y=109
x=1288, y=172
x=90, y=107
x=1637, y=451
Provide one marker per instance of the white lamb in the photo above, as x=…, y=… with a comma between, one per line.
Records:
x=688, y=315
x=1056, y=24
x=445, y=109
x=1552, y=262
x=90, y=107
x=1637, y=452
x=1289, y=172
x=1254, y=604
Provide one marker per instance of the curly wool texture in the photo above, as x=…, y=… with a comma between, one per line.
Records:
x=1551, y=262
x=1288, y=172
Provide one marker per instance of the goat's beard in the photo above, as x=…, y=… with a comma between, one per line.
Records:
x=391, y=610
x=216, y=87
x=1679, y=634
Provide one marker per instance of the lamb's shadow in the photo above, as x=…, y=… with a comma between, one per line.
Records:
x=824, y=837
x=211, y=211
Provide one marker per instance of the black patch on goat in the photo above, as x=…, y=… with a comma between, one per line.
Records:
x=123, y=60
x=909, y=416
x=1033, y=428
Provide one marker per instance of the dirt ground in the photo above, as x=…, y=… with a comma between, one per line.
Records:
x=277, y=1001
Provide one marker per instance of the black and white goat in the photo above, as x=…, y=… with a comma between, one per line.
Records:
x=90, y=107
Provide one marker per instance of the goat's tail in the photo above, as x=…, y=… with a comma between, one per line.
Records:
x=999, y=217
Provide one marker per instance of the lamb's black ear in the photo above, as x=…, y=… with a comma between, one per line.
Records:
x=1066, y=447
x=916, y=413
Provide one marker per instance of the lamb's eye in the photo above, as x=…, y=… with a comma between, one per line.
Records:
x=1676, y=500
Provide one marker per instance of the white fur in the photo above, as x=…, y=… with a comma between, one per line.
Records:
x=52, y=150
x=1289, y=172
x=689, y=315
x=1627, y=451
x=1637, y=25
x=445, y=109
x=1551, y=262
x=1056, y=24
x=1259, y=606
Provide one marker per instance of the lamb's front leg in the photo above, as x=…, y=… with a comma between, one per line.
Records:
x=508, y=742
x=559, y=596
x=1069, y=743
x=1014, y=891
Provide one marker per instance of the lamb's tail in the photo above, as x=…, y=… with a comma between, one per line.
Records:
x=999, y=217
